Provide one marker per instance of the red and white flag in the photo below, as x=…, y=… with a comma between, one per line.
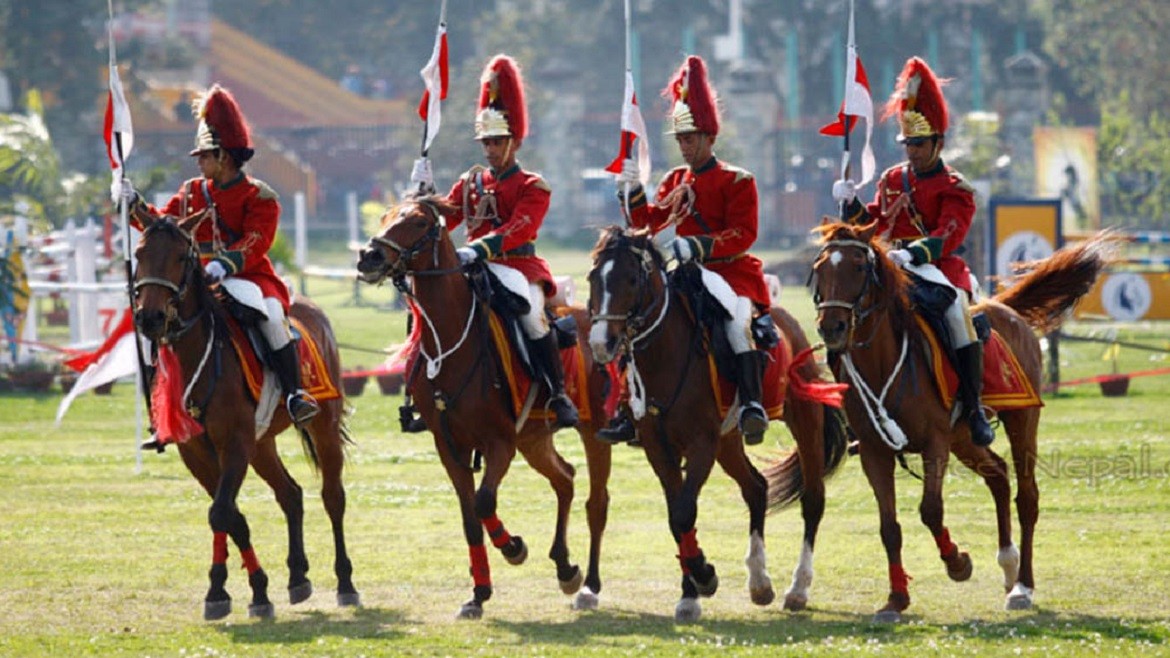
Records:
x=858, y=102
x=633, y=134
x=118, y=130
x=115, y=359
x=434, y=75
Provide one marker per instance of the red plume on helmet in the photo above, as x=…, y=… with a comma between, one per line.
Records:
x=221, y=123
x=501, y=111
x=918, y=101
x=692, y=99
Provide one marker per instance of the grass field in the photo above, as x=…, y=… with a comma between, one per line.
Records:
x=98, y=559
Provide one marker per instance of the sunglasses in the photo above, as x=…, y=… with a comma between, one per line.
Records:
x=915, y=141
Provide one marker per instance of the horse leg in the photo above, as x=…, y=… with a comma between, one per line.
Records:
x=463, y=481
x=543, y=457
x=326, y=433
x=699, y=577
x=806, y=420
x=754, y=489
x=217, y=604
x=934, y=468
x=1021, y=429
x=496, y=464
x=994, y=471
x=599, y=459
x=290, y=497
x=878, y=464
x=225, y=517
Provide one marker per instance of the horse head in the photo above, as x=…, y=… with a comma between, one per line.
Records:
x=401, y=245
x=168, y=267
x=623, y=289
x=850, y=279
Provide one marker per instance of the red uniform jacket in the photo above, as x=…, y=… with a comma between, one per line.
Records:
x=723, y=220
x=937, y=221
x=247, y=217
x=508, y=235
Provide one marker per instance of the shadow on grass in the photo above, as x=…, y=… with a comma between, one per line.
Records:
x=777, y=627
x=301, y=628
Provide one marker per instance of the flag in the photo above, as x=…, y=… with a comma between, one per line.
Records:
x=116, y=358
x=118, y=131
x=434, y=75
x=633, y=131
x=858, y=102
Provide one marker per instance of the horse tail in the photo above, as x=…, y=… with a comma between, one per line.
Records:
x=343, y=432
x=786, y=478
x=1053, y=285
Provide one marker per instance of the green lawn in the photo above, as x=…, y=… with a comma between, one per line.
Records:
x=98, y=559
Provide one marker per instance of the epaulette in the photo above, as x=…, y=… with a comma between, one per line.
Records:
x=740, y=172
x=960, y=181
x=540, y=183
x=263, y=190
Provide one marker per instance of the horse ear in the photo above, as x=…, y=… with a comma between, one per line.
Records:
x=190, y=222
x=865, y=233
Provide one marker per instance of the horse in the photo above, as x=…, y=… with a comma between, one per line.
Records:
x=175, y=307
x=867, y=321
x=460, y=400
x=637, y=310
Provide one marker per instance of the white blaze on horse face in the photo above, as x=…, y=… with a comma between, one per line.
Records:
x=835, y=258
x=598, y=333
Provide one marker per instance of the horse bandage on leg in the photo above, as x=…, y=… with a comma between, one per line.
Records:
x=899, y=580
x=946, y=547
x=496, y=531
x=219, y=548
x=251, y=563
x=481, y=573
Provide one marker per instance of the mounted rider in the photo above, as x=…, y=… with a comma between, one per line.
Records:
x=243, y=215
x=925, y=208
x=504, y=207
x=713, y=207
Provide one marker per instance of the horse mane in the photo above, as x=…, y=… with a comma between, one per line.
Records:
x=204, y=296
x=436, y=201
x=892, y=282
x=614, y=237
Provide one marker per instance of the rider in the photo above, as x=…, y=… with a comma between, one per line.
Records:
x=925, y=208
x=237, y=233
x=504, y=207
x=713, y=207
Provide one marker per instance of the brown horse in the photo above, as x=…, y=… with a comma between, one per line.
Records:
x=866, y=320
x=175, y=307
x=636, y=310
x=460, y=400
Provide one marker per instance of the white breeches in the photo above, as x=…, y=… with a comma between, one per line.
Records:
x=274, y=326
x=739, y=331
x=958, y=316
x=534, y=322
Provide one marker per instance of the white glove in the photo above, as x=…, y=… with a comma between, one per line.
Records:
x=630, y=173
x=129, y=195
x=215, y=271
x=844, y=191
x=681, y=249
x=900, y=257
x=467, y=255
x=421, y=176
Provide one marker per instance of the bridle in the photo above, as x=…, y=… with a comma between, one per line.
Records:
x=858, y=310
x=178, y=291
x=400, y=269
x=640, y=319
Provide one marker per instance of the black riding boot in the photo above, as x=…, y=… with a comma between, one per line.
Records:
x=970, y=364
x=753, y=421
x=619, y=430
x=301, y=406
x=548, y=361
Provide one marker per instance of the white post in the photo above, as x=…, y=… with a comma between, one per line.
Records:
x=85, y=255
x=301, y=254
x=351, y=216
x=71, y=274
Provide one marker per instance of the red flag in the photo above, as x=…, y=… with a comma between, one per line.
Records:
x=858, y=102
x=116, y=358
x=435, y=76
x=117, y=130
x=858, y=92
x=633, y=132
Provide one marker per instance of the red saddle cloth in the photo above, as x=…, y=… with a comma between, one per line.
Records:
x=315, y=378
x=775, y=382
x=1005, y=384
x=519, y=383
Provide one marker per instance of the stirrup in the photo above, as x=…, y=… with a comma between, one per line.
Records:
x=620, y=430
x=753, y=422
x=301, y=407
x=408, y=422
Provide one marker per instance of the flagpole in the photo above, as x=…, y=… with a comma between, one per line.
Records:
x=629, y=72
x=848, y=117
x=424, y=150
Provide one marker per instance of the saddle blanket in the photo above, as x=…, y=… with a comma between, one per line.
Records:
x=315, y=378
x=519, y=383
x=1005, y=384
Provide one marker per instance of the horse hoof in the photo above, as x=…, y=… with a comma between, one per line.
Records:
x=300, y=593
x=707, y=589
x=586, y=599
x=349, y=599
x=887, y=617
x=1020, y=598
x=795, y=602
x=763, y=595
x=213, y=610
x=573, y=584
x=261, y=611
x=471, y=610
x=687, y=611
x=959, y=568
x=515, y=551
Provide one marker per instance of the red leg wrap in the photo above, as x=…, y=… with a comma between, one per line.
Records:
x=899, y=580
x=250, y=561
x=219, y=548
x=496, y=531
x=946, y=547
x=481, y=573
